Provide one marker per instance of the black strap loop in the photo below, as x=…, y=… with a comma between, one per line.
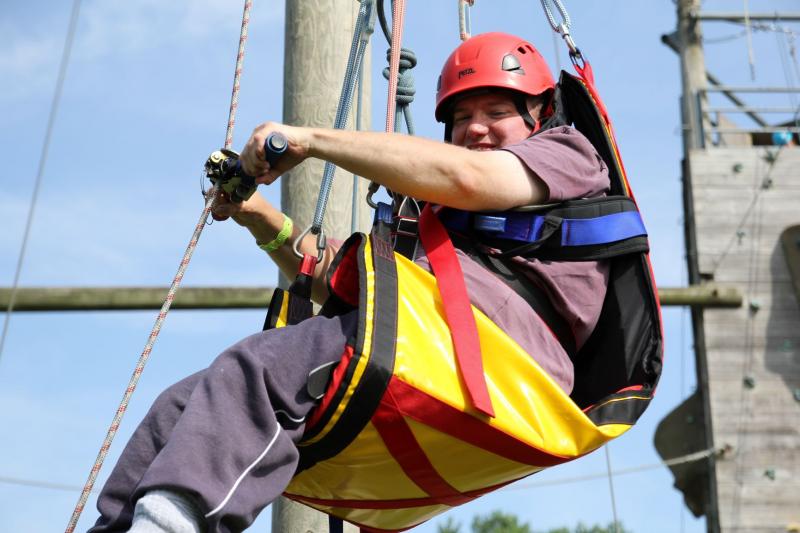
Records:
x=551, y=225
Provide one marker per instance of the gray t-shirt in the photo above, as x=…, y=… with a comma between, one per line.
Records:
x=571, y=168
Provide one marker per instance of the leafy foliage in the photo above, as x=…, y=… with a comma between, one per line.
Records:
x=499, y=522
x=451, y=526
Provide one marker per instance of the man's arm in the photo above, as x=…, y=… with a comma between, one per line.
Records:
x=264, y=221
x=424, y=169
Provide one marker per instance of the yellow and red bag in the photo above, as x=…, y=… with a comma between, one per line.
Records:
x=397, y=437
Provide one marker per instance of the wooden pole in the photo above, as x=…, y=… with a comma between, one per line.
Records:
x=695, y=128
x=317, y=44
x=695, y=123
x=147, y=298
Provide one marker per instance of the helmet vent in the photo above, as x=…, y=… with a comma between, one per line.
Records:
x=511, y=64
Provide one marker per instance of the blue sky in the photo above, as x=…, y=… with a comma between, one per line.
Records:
x=145, y=102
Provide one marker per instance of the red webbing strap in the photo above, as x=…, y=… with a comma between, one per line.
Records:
x=401, y=443
x=587, y=75
x=420, y=406
x=457, y=308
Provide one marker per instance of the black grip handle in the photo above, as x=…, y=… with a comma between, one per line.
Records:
x=274, y=147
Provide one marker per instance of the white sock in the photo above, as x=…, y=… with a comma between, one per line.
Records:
x=162, y=511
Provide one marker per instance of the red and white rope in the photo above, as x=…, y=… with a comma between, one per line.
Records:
x=239, y=61
x=210, y=200
x=398, y=16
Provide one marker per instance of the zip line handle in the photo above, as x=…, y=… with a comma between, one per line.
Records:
x=224, y=168
x=274, y=147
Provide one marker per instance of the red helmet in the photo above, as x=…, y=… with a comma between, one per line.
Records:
x=492, y=60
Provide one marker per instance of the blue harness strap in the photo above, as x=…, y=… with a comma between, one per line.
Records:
x=528, y=227
x=602, y=230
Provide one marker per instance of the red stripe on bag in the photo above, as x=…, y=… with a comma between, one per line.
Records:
x=432, y=412
x=405, y=449
x=457, y=308
x=406, y=503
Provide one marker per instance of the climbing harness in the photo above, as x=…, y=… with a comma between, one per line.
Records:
x=211, y=198
x=414, y=401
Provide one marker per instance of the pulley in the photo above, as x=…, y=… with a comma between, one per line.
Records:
x=225, y=170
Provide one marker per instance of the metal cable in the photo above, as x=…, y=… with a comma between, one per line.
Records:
x=747, y=212
x=62, y=74
x=688, y=458
x=696, y=456
x=361, y=35
x=750, y=54
x=787, y=70
x=210, y=201
x=611, y=489
x=745, y=399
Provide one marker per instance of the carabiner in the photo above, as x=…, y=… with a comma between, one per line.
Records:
x=563, y=28
x=322, y=243
x=464, y=23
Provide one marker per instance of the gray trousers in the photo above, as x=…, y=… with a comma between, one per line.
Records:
x=226, y=435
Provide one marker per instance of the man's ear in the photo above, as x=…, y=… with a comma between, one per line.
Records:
x=535, y=106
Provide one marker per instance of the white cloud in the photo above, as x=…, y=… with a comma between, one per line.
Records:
x=29, y=56
x=147, y=24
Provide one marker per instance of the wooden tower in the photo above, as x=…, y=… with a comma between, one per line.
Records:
x=742, y=211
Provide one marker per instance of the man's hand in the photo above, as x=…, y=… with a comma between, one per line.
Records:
x=253, y=158
x=249, y=213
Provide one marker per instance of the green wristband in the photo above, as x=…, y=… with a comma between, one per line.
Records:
x=280, y=238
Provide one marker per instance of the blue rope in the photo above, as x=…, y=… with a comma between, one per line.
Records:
x=363, y=30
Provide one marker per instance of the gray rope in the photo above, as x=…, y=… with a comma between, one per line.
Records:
x=359, y=107
x=62, y=74
x=361, y=34
x=551, y=19
x=562, y=29
x=405, y=88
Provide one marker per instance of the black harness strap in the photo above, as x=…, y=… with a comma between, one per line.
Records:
x=533, y=295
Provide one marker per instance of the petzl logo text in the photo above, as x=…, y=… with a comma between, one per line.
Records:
x=465, y=72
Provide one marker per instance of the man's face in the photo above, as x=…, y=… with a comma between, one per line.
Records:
x=488, y=121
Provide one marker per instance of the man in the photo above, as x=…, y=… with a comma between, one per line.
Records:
x=219, y=446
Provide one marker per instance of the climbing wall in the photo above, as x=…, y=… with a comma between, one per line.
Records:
x=743, y=200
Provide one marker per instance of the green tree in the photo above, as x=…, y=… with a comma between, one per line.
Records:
x=499, y=522
x=451, y=526
x=581, y=528
x=597, y=528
